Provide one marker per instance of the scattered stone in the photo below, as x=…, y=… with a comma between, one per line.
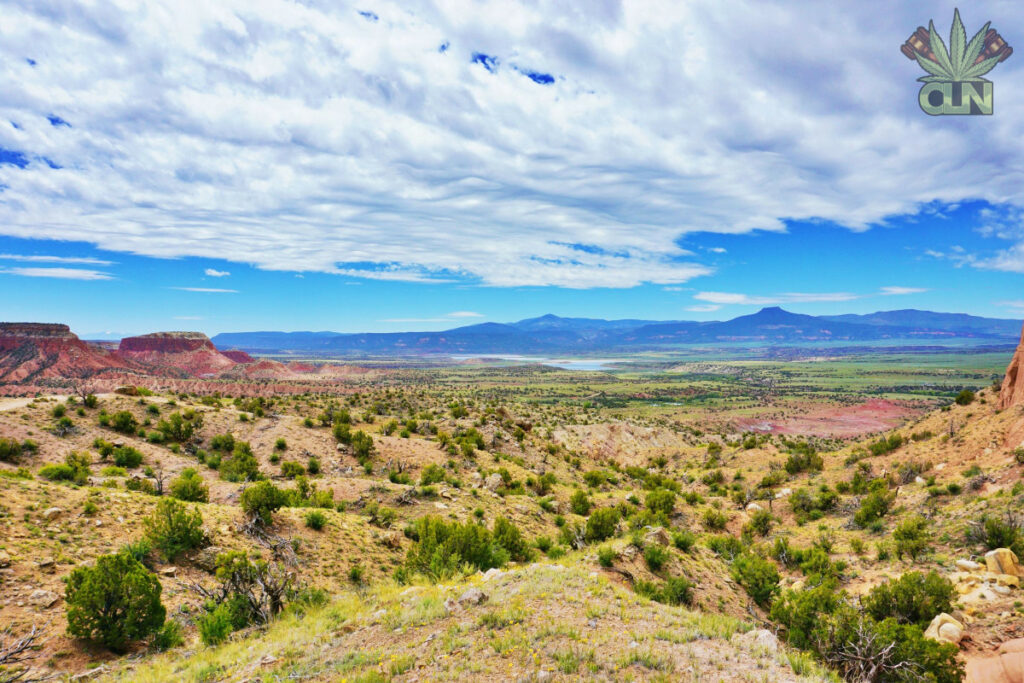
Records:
x=267, y=659
x=658, y=535
x=945, y=628
x=492, y=573
x=391, y=539
x=544, y=675
x=920, y=480
x=754, y=507
x=52, y=513
x=169, y=571
x=450, y=604
x=968, y=565
x=42, y=598
x=473, y=596
x=440, y=506
x=5, y=559
x=1003, y=561
x=761, y=639
x=493, y=482
x=45, y=562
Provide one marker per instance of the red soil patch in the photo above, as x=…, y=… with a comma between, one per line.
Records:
x=875, y=415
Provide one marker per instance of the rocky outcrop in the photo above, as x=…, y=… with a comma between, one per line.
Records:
x=40, y=351
x=239, y=356
x=189, y=352
x=1012, y=392
x=1006, y=667
x=946, y=629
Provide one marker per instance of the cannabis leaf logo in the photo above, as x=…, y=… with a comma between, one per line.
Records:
x=963, y=61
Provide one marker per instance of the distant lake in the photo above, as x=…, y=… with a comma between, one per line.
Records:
x=588, y=364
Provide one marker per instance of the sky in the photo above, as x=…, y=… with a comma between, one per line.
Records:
x=385, y=166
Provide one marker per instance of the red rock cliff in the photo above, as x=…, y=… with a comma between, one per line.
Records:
x=190, y=352
x=34, y=351
x=1012, y=393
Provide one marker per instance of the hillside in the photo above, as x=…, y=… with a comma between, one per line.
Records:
x=664, y=595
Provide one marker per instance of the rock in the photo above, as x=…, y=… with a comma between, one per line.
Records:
x=450, y=604
x=5, y=559
x=391, y=539
x=754, y=507
x=206, y=559
x=946, y=629
x=761, y=639
x=42, y=598
x=44, y=562
x=440, y=506
x=473, y=596
x=492, y=573
x=1012, y=391
x=493, y=482
x=968, y=565
x=267, y=659
x=51, y=513
x=1002, y=561
x=1006, y=667
x=1008, y=581
x=169, y=571
x=543, y=676
x=920, y=481
x=659, y=536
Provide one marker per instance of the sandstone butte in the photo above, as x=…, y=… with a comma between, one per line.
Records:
x=31, y=351
x=192, y=352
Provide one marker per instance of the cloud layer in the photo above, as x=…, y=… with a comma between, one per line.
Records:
x=418, y=140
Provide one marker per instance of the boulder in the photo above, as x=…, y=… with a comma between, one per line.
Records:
x=1003, y=561
x=473, y=596
x=206, y=559
x=1006, y=667
x=5, y=559
x=52, y=513
x=946, y=629
x=42, y=598
x=968, y=565
x=760, y=639
x=754, y=507
x=658, y=536
x=493, y=482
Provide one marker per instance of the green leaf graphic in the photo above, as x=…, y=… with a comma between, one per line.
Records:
x=933, y=79
x=939, y=48
x=957, y=41
x=981, y=68
x=974, y=48
x=933, y=68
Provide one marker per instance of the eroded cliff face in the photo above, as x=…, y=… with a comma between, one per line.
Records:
x=1012, y=392
x=191, y=353
x=40, y=351
x=239, y=356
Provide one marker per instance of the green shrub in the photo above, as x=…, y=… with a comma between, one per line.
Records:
x=440, y=548
x=601, y=524
x=661, y=501
x=168, y=637
x=996, y=532
x=714, y=520
x=75, y=468
x=912, y=537
x=280, y=445
x=189, y=486
x=113, y=602
x=215, y=626
x=9, y=450
x=656, y=556
x=173, y=528
x=914, y=598
x=677, y=591
x=507, y=535
x=316, y=520
x=261, y=500
x=875, y=505
x=606, y=556
x=579, y=502
x=241, y=466
x=432, y=474
x=127, y=457
x=313, y=466
x=761, y=522
x=292, y=469
x=758, y=576
x=801, y=612
x=725, y=546
x=965, y=397
x=684, y=540
x=123, y=422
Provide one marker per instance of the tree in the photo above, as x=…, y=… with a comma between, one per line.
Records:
x=912, y=537
x=261, y=500
x=114, y=602
x=123, y=422
x=601, y=524
x=758, y=576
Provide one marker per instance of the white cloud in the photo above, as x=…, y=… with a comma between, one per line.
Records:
x=414, y=320
x=299, y=136
x=774, y=300
x=1017, y=306
x=217, y=273
x=188, y=317
x=58, y=273
x=896, y=291
x=703, y=308
x=207, y=290
x=81, y=260
x=465, y=314
x=717, y=250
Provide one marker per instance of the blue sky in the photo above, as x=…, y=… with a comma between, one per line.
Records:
x=417, y=165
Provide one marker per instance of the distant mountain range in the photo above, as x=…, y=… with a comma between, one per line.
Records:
x=551, y=334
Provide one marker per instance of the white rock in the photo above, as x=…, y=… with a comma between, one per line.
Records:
x=51, y=513
x=761, y=639
x=968, y=565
